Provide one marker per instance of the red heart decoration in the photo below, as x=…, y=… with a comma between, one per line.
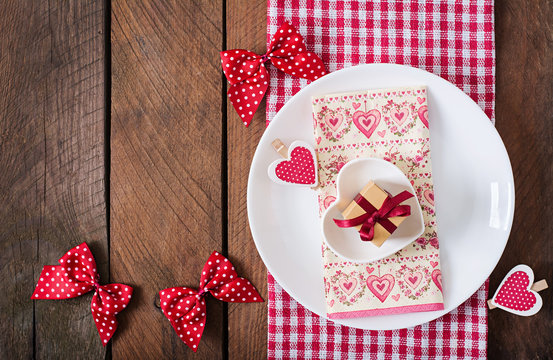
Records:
x=300, y=169
x=514, y=293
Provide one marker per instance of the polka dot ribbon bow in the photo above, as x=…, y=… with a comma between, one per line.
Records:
x=76, y=276
x=246, y=71
x=185, y=307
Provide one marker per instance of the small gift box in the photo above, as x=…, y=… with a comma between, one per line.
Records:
x=375, y=213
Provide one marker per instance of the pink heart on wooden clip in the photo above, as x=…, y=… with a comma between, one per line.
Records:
x=399, y=116
x=299, y=169
x=382, y=286
x=423, y=114
x=366, y=122
x=514, y=293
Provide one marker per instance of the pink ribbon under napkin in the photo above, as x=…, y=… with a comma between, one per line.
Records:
x=453, y=40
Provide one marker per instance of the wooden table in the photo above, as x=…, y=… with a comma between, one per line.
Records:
x=115, y=130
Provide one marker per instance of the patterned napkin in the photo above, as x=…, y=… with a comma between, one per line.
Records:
x=390, y=124
x=452, y=39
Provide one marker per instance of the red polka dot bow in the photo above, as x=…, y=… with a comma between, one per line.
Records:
x=246, y=71
x=76, y=276
x=185, y=307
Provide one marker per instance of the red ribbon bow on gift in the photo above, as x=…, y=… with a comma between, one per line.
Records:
x=76, y=276
x=246, y=71
x=185, y=307
x=390, y=208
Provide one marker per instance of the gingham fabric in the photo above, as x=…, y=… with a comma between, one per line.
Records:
x=453, y=39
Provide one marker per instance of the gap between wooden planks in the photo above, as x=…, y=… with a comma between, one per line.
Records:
x=246, y=28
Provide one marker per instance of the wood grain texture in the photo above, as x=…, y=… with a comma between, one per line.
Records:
x=246, y=29
x=52, y=192
x=524, y=40
x=166, y=150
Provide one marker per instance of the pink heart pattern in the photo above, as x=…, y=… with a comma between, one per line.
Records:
x=366, y=122
x=399, y=116
x=413, y=280
x=423, y=114
x=429, y=196
x=382, y=286
x=328, y=201
x=348, y=285
x=334, y=122
x=437, y=278
x=300, y=169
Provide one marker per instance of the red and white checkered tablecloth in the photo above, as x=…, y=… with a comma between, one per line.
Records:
x=453, y=39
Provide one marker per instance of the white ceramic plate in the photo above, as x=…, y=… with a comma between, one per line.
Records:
x=351, y=179
x=473, y=186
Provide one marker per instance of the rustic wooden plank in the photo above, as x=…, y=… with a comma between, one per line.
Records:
x=166, y=148
x=246, y=28
x=52, y=168
x=524, y=114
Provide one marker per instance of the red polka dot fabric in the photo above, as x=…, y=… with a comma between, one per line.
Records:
x=246, y=71
x=300, y=169
x=185, y=307
x=514, y=293
x=75, y=276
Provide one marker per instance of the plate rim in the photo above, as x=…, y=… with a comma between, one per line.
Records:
x=473, y=104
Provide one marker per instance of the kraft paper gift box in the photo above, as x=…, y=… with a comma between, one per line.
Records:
x=376, y=196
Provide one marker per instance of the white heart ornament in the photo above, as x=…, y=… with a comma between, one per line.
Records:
x=299, y=169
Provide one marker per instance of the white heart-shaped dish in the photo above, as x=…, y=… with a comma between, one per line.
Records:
x=345, y=242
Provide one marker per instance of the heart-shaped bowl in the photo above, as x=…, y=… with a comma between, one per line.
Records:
x=346, y=242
